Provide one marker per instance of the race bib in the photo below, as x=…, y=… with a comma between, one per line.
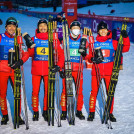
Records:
x=42, y=51
x=74, y=52
x=106, y=53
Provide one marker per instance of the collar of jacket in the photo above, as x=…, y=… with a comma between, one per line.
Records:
x=104, y=38
x=9, y=35
x=42, y=36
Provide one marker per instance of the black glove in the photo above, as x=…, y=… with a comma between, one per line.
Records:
x=62, y=74
x=84, y=53
x=55, y=69
x=29, y=41
x=124, y=34
x=17, y=64
x=82, y=49
x=96, y=60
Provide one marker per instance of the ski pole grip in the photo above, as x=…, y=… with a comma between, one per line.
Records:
x=55, y=36
x=11, y=57
x=91, y=39
x=19, y=40
x=29, y=41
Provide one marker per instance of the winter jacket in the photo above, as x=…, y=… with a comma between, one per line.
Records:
x=75, y=58
x=6, y=43
x=106, y=68
x=40, y=65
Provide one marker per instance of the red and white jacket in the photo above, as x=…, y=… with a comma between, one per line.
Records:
x=40, y=67
x=4, y=63
x=106, y=68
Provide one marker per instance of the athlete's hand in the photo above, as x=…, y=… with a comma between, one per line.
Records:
x=17, y=64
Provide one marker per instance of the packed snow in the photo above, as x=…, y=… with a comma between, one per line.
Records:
x=124, y=96
x=121, y=9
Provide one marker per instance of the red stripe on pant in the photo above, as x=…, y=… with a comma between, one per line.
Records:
x=3, y=90
x=36, y=80
x=80, y=95
x=94, y=92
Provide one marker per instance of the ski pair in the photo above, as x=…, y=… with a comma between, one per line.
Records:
x=55, y=34
x=114, y=76
x=53, y=59
x=51, y=76
x=17, y=81
x=68, y=74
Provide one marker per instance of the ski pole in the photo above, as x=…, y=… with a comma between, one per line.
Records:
x=99, y=82
x=78, y=80
x=20, y=42
x=57, y=73
x=79, y=72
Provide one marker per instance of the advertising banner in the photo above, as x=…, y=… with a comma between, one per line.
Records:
x=70, y=9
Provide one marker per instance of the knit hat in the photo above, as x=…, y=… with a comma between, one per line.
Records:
x=41, y=21
x=11, y=20
x=61, y=14
x=102, y=25
x=75, y=23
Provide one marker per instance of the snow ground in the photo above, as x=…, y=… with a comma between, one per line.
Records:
x=124, y=97
x=121, y=9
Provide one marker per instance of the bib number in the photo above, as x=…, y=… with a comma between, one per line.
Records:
x=74, y=52
x=42, y=51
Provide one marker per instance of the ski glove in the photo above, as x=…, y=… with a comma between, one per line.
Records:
x=124, y=34
x=17, y=64
x=62, y=74
x=29, y=41
x=82, y=49
x=84, y=54
x=55, y=69
x=96, y=60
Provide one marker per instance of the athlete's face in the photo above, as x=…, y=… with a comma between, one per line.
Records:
x=43, y=28
x=103, y=32
x=11, y=29
x=75, y=30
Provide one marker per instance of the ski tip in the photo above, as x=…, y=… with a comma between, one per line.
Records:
x=126, y=19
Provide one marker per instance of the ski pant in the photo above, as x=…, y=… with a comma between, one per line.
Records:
x=79, y=93
x=94, y=92
x=36, y=80
x=4, y=76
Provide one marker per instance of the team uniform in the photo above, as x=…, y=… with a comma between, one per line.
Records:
x=108, y=47
x=40, y=67
x=74, y=45
x=6, y=72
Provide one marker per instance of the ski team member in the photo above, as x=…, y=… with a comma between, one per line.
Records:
x=39, y=69
x=108, y=47
x=74, y=44
x=6, y=72
x=59, y=19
